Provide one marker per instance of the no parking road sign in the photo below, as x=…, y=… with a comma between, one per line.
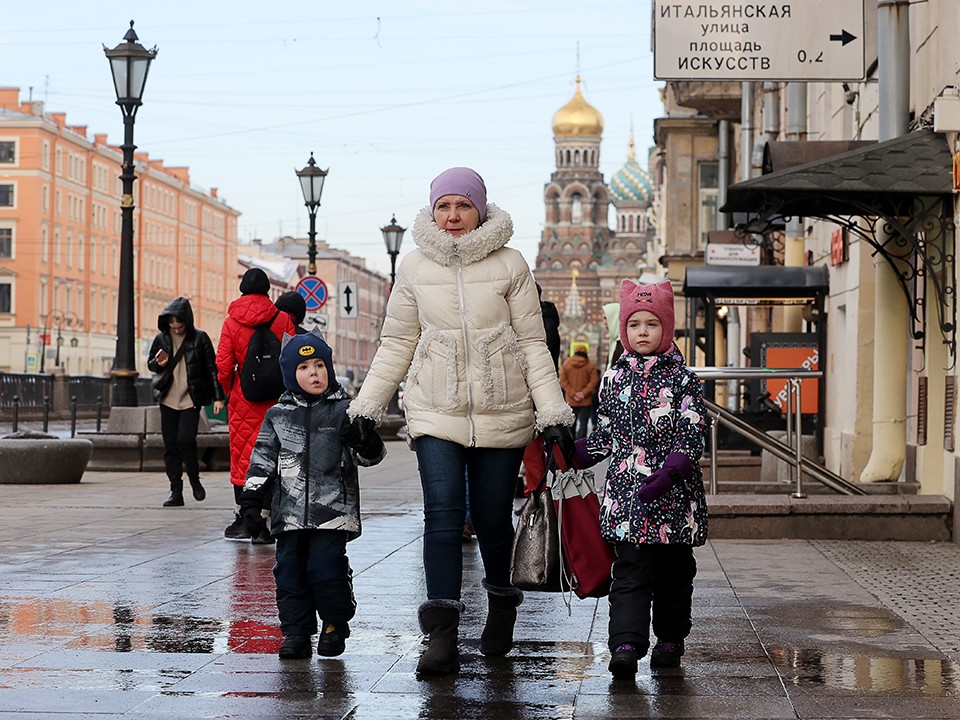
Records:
x=314, y=291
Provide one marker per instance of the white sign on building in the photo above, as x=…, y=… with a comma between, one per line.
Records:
x=732, y=254
x=802, y=40
x=315, y=320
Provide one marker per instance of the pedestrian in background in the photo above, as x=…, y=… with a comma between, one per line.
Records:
x=464, y=326
x=186, y=353
x=244, y=416
x=314, y=497
x=293, y=303
x=578, y=378
x=652, y=426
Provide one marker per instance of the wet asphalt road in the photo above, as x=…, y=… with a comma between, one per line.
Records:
x=111, y=606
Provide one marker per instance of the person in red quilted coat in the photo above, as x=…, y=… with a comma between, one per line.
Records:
x=252, y=308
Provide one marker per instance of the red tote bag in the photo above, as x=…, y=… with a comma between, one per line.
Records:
x=587, y=557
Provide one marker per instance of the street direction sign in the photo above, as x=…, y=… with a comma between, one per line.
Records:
x=347, y=299
x=314, y=291
x=793, y=40
x=315, y=320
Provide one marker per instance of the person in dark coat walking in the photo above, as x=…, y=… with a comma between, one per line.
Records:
x=184, y=351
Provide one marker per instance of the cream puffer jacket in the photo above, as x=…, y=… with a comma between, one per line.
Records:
x=464, y=328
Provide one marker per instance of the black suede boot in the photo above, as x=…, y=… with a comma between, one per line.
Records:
x=497, y=637
x=198, y=492
x=440, y=620
x=176, y=494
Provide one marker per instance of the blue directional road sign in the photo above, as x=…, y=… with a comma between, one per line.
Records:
x=314, y=291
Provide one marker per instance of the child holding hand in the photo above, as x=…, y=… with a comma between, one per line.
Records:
x=651, y=425
x=304, y=467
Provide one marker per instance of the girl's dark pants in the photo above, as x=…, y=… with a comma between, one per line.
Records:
x=313, y=578
x=645, y=577
x=179, y=431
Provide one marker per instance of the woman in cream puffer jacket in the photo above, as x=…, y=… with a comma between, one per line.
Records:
x=464, y=329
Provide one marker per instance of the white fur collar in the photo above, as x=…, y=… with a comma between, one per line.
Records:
x=444, y=249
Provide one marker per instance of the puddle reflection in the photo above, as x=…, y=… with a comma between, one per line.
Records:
x=932, y=677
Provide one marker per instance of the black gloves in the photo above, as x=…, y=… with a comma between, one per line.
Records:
x=250, y=511
x=562, y=437
x=361, y=435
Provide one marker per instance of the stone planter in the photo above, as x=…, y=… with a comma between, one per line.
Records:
x=32, y=458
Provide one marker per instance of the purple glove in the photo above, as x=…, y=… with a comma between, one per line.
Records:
x=676, y=468
x=581, y=458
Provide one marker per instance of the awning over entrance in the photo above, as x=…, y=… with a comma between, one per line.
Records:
x=878, y=178
x=896, y=195
x=774, y=284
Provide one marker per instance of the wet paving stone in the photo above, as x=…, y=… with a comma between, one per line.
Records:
x=113, y=607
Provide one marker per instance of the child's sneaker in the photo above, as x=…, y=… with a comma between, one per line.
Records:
x=333, y=639
x=623, y=662
x=666, y=654
x=295, y=647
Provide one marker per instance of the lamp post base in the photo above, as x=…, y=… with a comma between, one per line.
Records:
x=123, y=391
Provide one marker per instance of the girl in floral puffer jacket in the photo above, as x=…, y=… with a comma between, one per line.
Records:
x=651, y=425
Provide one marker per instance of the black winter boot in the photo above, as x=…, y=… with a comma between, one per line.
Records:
x=497, y=637
x=198, y=492
x=440, y=620
x=176, y=494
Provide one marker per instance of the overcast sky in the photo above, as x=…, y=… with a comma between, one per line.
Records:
x=385, y=94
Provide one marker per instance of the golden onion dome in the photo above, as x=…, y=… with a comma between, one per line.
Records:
x=577, y=118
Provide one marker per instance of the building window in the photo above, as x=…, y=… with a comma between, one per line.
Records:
x=6, y=242
x=6, y=195
x=6, y=298
x=576, y=209
x=709, y=194
x=8, y=152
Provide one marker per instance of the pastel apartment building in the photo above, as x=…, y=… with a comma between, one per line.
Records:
x=60, y=244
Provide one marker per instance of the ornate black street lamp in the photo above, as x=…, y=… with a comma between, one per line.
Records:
x=129, y=63
x=311, y=182
x=392, y=237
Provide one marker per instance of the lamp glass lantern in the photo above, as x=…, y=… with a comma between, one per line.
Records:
x=311, y=183
x=129, y=64
x=393, y=236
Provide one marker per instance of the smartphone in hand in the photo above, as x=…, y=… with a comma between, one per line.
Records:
x=161, y=357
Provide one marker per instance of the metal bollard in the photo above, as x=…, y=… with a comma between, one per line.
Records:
x=16, y=412
x=73, y=416
x=714, y=444
x=99, y=411
x=46, y=413
x=798, y=418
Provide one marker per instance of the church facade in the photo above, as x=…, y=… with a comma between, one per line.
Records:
x=581, y=259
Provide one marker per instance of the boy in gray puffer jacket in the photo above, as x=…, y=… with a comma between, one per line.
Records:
x=304, y=465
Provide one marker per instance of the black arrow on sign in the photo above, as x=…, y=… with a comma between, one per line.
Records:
x=348, y=292
x=843, y=38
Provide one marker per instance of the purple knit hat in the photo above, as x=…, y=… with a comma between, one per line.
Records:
x=460, y=181
x=655, y=299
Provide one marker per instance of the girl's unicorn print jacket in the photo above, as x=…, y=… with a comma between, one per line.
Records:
x=650, y=406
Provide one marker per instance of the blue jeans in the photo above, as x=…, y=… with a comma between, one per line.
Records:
x=444, y=466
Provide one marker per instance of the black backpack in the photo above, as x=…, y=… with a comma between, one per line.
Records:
x=260, y=378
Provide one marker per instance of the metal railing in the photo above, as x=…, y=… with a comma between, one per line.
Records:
x=792, y=450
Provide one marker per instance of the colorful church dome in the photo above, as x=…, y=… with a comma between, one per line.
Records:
x=577, y=118
x=631, y=183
